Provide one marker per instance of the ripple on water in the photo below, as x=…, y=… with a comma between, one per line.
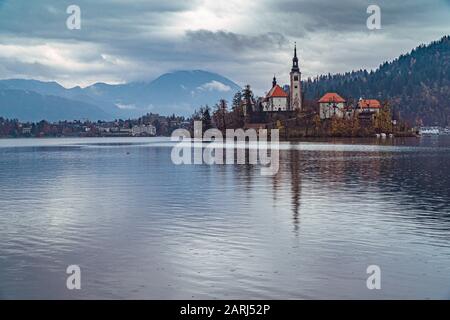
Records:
x=141, y=227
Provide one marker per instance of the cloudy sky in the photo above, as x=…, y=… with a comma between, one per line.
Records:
x=246, y=41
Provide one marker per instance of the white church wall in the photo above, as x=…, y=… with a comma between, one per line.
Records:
x=327, y=110
x=279, y=104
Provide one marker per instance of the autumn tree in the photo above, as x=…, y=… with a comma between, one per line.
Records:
x=206, y=118
x=337, y=127
x=383, y=120
x=220, y=115
x=355, y=130
x=237, y=117
x=237, y=100
x=317, y=124
x=248, y=98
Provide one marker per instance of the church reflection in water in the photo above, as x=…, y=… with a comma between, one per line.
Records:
x=290, y=173
x=307, y=174
x=329, y=169
x=296, y=184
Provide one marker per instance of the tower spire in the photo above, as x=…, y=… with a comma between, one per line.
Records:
x=274, y=81
x=295, y=91
x=295, y=59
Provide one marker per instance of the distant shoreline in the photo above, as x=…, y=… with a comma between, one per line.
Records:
x=292, y=139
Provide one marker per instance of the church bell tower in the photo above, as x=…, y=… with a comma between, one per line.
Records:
x=295, y=94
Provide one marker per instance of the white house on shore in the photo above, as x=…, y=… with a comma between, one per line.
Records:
x=369, y=105
x=331, y=105
x=143, y=130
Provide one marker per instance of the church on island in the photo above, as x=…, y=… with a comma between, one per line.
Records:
x=288, y=98
x=279, y=100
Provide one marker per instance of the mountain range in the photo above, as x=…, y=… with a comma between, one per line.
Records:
x=178, y=92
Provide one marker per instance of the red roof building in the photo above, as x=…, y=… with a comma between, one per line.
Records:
x=276, y=92
x=331, y=105
x=369, y=104
x=331, y=97
x=276, y=99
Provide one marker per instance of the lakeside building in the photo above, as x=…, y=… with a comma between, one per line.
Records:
x=118, y=131
x=369, y=105
x=331, y=105
x=26, y=130
x=143, y=130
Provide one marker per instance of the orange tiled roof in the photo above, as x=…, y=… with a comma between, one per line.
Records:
x=331, y=97
x=369, y=103
x=277, y=92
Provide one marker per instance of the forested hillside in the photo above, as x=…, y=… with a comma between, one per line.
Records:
x=416, y=84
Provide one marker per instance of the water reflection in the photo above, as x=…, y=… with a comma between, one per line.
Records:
x=296, y=187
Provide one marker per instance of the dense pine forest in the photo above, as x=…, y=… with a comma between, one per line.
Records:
x=417, y=84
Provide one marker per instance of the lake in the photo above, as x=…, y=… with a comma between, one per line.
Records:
x=141, y=227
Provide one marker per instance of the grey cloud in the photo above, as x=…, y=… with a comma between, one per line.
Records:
x=101, y=19
x=12, y=66
x=236, y=42
x=124, y=39
x=351, y=15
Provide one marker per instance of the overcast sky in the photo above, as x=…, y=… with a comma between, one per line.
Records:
x=246, y=41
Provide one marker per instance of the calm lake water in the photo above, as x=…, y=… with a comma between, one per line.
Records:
x=141, y=227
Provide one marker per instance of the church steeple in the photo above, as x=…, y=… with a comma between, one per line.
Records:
x=274, y=81
x=295, y=67
x=295, y=91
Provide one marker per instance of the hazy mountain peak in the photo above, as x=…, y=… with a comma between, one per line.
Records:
x=177, y=92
